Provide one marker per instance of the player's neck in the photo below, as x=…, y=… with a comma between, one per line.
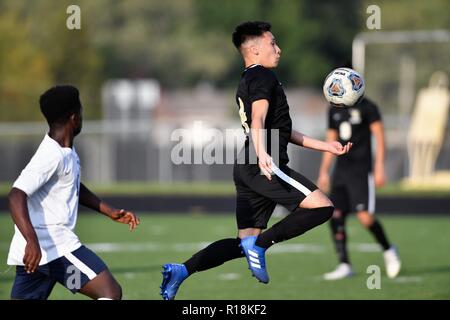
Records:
x=62, y=135
x=250, y=62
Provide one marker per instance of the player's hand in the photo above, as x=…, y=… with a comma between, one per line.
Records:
x=126, y=217
x=323, y=182
x=265, y=164
x=337, y=149
x=32, y=256
x=379, y=176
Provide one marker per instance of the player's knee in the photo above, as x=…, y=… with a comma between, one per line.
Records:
x=116, y=292
x=366, y=224
x=365, y=219
x=336, y=224
x=112, y=291
x=316, y=199
x=337, y=214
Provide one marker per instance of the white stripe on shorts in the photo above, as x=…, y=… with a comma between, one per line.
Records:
x=297, y=185
x=81, y=266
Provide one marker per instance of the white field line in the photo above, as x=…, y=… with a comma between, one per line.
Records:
x=229, y=276
x=405, y=279
x=189, y=247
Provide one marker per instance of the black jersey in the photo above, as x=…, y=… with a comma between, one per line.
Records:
x=258, y=82
x=353, y=125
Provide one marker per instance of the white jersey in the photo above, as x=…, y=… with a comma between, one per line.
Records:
x=52, y=182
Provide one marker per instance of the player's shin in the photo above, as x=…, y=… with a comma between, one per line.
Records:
x=339, y=235
x=214, y=255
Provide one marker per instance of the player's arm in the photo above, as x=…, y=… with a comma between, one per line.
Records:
x=259, y=113
x=90, y=200
x=323, y=181
x=334, y=147
x=377, y=130
x=17, y=200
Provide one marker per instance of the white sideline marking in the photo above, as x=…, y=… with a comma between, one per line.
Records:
x=296, y=247
x=365, y=247
x=189, y=247
x=229, y=276
x=403, y=279
x=129, y=275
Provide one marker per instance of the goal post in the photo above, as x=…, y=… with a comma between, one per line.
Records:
x=396, y=66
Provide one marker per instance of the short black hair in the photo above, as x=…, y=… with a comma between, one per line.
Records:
x=59, y=102
x=249, y=29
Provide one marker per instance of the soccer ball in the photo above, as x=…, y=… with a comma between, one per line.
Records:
x=343, y=87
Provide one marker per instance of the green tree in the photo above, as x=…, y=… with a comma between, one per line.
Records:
x=24, y=71
x=46, y=53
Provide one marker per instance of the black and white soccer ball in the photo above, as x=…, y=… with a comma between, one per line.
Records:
x=344, y=87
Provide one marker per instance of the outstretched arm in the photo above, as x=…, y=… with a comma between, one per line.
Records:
x=17, y=200
x=334, y=147
x=90, y=200
x=377, y=129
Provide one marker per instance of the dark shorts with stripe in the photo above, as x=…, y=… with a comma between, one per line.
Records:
x=256, y=196
x=73, y=271
x=353, y=191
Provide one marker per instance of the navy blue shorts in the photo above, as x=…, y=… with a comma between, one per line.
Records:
x=73, y=271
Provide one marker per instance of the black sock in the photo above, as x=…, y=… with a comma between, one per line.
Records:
x=295, y=224
x=214, y=255
x=339, y=235
x=380, y=236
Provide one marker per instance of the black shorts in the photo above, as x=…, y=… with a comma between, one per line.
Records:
x=353, y=191
x=72, y=270
x=256, y=196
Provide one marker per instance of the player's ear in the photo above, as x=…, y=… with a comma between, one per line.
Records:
x=75, y=118
x=254, y=49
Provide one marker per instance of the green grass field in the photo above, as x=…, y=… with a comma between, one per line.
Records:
x=222, y=189
x=295, y=267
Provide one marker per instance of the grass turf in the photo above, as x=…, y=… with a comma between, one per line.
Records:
x=295, y=267
x=222, y=189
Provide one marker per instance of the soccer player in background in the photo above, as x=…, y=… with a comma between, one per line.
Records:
x=44, y=206
x=261, y=184
x=354, y=180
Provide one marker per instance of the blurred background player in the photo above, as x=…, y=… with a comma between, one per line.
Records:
x=44, y=206
x=260, y=185
x=354, y=180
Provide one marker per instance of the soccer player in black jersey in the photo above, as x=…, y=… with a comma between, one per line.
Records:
x=262, y=179
x=354, y=180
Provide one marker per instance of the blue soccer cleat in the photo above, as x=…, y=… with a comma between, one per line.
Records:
x=173, y=275
x=255, y=258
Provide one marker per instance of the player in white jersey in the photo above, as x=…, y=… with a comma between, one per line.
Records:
x=44, y=206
